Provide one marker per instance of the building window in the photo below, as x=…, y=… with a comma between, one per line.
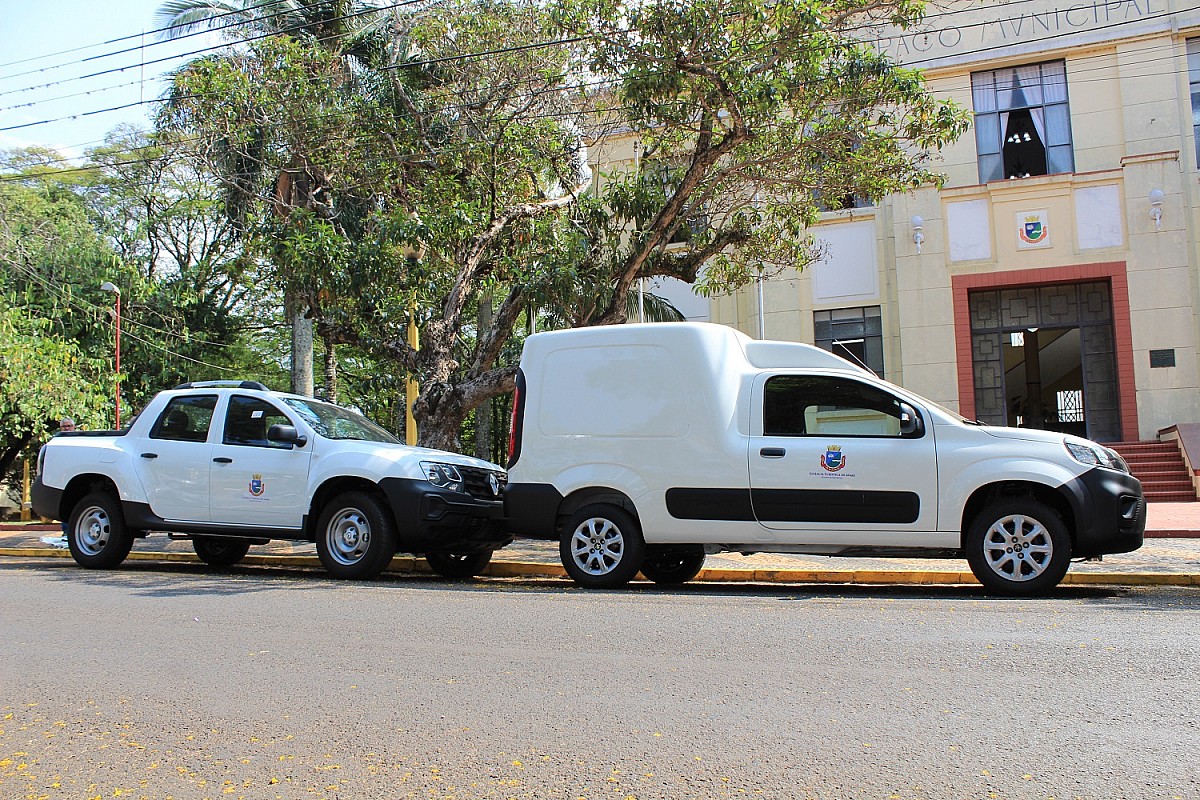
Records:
x=855, y=334
x=1193, y=60
x=1022, y=121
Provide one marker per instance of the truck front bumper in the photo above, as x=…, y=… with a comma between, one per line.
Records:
x=431, y=519
x=1110, y=512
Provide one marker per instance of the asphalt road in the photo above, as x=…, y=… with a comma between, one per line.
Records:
x=164, y=681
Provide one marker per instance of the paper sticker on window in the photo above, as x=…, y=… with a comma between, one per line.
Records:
x=256, y=414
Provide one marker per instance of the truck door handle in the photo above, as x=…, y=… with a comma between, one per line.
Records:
x=223, y=460
x=149, y=455
x=772, y=452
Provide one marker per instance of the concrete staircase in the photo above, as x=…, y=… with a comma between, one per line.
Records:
x=1161, y=469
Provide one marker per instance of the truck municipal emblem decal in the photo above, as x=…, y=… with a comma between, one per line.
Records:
x=257, y=485
x=833, y=459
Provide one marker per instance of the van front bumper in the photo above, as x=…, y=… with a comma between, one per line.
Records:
x=1110, y=512
x=432, y=519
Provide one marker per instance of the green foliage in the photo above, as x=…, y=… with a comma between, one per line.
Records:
x=42, y=379
x=343, y=149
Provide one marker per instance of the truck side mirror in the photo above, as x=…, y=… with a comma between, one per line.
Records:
x=911, y=426
x=286, y=434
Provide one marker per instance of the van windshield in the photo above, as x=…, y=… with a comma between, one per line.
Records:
x=334, y=422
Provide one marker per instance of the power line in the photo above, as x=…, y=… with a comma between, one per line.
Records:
x=127, y=38
x=1073, y=77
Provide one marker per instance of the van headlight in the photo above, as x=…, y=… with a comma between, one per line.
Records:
x=1096, y=456
x=443, y=476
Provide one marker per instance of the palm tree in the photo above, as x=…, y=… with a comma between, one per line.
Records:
x=357, y=33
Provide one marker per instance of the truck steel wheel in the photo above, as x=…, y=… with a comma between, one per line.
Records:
x=672, y=569
x=1018, y=547
x=459, y=566
x=220, y=551
x=96, y=532
x=602, y=547
x=355, y=536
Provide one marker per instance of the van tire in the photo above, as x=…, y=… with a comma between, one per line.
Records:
x=1018, y=547
x=459, y=566
x=96, y=532
x=356, y=538
x=602, y=547
x=672, y=569
x=220, y=551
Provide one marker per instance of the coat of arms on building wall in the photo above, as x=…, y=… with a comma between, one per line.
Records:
x=1033, y=229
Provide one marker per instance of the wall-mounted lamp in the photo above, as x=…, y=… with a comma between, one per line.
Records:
x=918, y=226
x=1156, y=200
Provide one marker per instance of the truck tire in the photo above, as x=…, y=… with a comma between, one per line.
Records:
x=220, y=551
x=96, y=532
x=356, y=538
x=602, y=547
x=672, y=568
x=1018, y=547
x=459, y=566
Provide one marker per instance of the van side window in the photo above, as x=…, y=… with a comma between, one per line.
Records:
x=185, y=419
x=816, y=405
x=248, y=419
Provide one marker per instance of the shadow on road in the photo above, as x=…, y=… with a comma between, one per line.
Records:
x=174, y=579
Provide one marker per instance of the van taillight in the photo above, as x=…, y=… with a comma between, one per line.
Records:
x=512, y=424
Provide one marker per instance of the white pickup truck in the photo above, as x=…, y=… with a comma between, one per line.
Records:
x=232, y=464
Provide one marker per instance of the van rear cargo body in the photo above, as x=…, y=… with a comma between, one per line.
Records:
x=646, y=447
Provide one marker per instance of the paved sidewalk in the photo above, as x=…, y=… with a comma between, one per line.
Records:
x=1170, y=556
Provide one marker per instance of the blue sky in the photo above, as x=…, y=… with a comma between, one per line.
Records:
x=33, y=37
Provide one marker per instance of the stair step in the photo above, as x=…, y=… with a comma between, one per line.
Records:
x=1167, y=486
x=1156, y=448
x=1170, y=497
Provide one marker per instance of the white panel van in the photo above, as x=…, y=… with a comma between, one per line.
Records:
x=647, y=447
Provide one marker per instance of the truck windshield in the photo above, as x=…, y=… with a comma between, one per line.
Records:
x=333, y=422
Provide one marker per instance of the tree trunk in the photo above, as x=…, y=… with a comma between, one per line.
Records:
x=331, y=370
x=483, y=412
x=302, y=347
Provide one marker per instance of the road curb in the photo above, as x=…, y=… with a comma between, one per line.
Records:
x=521, y=569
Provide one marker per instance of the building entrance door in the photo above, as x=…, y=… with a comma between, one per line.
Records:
x=1045, y=357
x=1043, y=380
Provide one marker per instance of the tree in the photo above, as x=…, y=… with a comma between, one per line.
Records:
x=757, y=113
x=466, y=144
x=259, y=149
x=189, y=296
x=42, y=379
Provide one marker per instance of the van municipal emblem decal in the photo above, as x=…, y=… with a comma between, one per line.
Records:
x=257, y=486
x=833, y=460
x=1033, y=228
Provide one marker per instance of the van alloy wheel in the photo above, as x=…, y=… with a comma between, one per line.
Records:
x=602, y=546
x=1018, y=547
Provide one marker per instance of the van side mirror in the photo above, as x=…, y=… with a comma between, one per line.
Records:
x=911, y=425
x=286, y=434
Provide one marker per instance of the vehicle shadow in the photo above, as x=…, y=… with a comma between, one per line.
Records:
x=176, y=579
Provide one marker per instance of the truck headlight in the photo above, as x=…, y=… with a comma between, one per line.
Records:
x=1097, y=456
x=443, y=476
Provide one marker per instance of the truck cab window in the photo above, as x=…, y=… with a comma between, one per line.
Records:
x=817, y=405
x=185, y=419
x=248, y=419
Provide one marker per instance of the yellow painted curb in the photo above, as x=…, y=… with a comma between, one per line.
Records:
x=523, y=569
